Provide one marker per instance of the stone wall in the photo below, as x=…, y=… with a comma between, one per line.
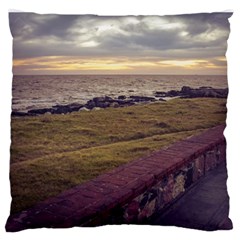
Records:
x=131, y=193
x=172, y=185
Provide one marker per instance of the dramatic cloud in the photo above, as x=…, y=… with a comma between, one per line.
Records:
x=89, y=42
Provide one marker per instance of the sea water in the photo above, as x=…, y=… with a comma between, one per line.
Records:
x=40, y=91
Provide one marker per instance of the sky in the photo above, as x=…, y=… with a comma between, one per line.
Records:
x=90, y=44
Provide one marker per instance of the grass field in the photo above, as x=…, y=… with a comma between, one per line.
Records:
x=51, y=153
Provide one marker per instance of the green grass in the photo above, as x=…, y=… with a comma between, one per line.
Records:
x=51, y=153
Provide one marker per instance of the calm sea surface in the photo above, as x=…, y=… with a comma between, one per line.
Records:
x=32, y=92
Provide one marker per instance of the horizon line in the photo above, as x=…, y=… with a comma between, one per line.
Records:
x=120, y=74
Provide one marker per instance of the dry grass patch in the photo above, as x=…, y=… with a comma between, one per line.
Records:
x=52, y=153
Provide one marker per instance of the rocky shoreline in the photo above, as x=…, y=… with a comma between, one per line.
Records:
x=123, y=101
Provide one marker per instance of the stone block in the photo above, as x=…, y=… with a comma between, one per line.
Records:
x=167, y=189
x=198, y=168
x=178, y=186
x=221, y=151
x=210, y=159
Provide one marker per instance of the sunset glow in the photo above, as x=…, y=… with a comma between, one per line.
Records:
x=58, y=44
x=113, y=65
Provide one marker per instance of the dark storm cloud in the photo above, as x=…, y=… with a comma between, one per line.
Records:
x=205, y=22
x=30, y=25
x=202, y=35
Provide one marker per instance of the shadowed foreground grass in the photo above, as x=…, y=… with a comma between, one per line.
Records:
x=51, y=153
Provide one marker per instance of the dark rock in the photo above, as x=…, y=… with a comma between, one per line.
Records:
x=223, y=93
x=124, y=103
x=102, y=102
x=90, y=104
x=40, y=111
x=188, y=92
x=210, y=93
x=142, y=99
x=109, y=99
x=74, y=107
x=120, y=101
x=122, y=97
x=63, y=109
x=172, y=93
x=60, y=110
x=71, y=105
x=129, y=103
x=19, y=114
x=57, y=109
x=105, y=102
x=160, y=92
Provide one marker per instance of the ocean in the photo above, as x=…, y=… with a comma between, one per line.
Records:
x=41, y=91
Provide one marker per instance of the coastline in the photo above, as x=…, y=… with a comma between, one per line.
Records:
x=97, y=103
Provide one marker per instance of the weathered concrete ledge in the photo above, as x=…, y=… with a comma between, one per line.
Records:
x=133, y=192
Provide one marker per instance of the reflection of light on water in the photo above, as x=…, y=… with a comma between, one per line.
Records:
x=46, y=91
